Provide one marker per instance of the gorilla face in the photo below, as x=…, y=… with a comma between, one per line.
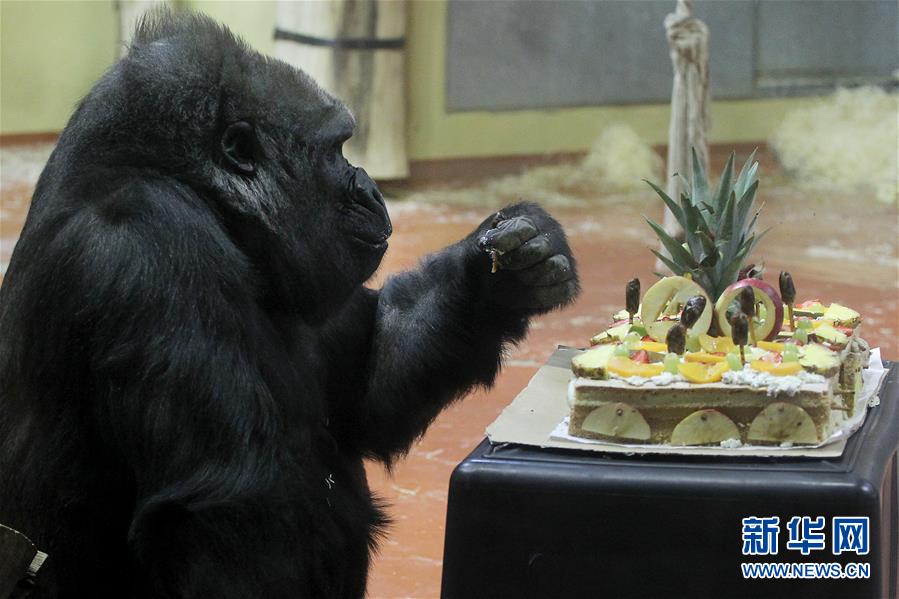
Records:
x=313, y=222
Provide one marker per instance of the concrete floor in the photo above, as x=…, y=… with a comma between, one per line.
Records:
x=838, y=246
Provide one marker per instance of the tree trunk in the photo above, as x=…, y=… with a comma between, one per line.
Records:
x=688, y=38
x=355, y=50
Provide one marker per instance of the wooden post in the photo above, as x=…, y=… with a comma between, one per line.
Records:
x=355, y=49
x=688, y=39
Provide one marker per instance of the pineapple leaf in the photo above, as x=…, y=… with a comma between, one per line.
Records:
x=747, y=174
x=708, y=208
x=709, y=260
x=755, y=239
x=708, y=249
x=675, y=268
x=726, y=220
x=685, y=185
x=677, y=251
x=725, y=185
x=700, y=181
x=701, y=277
x=742, y=211
x=672, y=205
x=745, y=203
x=730, y=272
x=692, y=221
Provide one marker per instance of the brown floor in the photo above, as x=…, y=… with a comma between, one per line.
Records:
x=839, y=247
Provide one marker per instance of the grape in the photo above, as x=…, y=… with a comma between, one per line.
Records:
x=790, y=349
x=790, y=357
x=621, y=350
x=733, y=360
x=693, y=342
x=632, y=340
x=671, y=362
x=804, y=323
x=801, y=335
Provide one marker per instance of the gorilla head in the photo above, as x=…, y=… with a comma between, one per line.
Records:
x=261, y=142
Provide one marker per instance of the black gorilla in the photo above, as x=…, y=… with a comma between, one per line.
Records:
x=192, y=371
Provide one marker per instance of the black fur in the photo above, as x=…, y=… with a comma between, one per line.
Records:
x=191, y=369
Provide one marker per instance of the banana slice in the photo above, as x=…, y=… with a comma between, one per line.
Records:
x=617, y=420
x=703, y=427
x=781, y=422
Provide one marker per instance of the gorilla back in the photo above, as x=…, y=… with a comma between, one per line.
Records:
x=191, y=370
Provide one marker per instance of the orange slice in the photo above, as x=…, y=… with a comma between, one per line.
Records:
x=771, y=346
x=782, y=369
x=697, y=372
x=626, y=367
x=653, y=346
x=701, y=356
x=716, y=345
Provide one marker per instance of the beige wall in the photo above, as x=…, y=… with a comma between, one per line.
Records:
x=52, y=52
x=434, y=133
x=50, y=55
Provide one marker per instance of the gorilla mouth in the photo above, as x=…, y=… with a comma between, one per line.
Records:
x=366, y=212
x=374, y=240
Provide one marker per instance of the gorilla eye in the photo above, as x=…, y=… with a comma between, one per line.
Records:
x=239, y=147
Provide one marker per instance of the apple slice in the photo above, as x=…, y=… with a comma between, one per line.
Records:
x=668, y=296
x=617, y=420
x=783, y=422
x=769, y=322
x=658, y=330
x=703, y=427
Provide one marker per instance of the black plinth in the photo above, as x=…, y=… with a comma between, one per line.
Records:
x=527, y=522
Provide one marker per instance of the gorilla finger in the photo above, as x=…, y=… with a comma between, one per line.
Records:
x=508, y=235
x=533, y=252
x=555, y=269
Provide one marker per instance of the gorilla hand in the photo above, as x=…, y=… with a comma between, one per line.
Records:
x=533, y=270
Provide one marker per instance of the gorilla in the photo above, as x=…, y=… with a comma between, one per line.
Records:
x=191, y=368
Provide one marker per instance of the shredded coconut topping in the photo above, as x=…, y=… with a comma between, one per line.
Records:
x=776, y=385
x=660, y=380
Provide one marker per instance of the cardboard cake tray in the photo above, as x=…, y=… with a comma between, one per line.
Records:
x=538, y=416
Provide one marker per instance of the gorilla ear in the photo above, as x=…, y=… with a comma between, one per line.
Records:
x=239, y=147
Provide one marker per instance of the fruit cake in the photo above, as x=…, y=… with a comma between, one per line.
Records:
x=715, y=355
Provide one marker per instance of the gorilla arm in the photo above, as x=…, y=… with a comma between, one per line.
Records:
x=430, y=335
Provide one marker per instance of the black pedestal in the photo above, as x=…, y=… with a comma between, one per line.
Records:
x=526, y=522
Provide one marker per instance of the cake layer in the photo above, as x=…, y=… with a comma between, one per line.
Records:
x=663, y=420
x=664, y=408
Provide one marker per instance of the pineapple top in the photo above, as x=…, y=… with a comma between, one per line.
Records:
x=718, y=233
